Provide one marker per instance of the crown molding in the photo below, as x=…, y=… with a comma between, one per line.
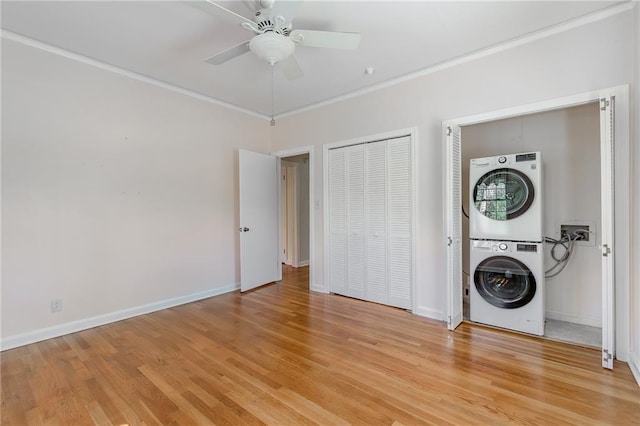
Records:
x=519, y=41
x=487, y=51
x=8, y=35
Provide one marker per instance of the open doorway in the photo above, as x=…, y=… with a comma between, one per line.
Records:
x=569, y=283
x=294, y=210
x=296, y=215
x=614, y=241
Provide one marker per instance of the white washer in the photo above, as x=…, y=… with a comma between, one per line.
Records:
x=505, y=197
x=507, y=285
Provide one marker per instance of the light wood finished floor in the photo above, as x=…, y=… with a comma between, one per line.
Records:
x=282, y=355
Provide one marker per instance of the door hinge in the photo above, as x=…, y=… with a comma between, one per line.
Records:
x=604, y=104
x=606, y=251
x=449, y=241
x=606, y=356
x=449, y=130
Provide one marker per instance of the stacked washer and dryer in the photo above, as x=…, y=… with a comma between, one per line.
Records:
x=506, y=253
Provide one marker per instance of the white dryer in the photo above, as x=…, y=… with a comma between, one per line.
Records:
x=505, y=201
x=507, y=288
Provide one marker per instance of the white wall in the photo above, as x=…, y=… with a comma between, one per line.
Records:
x=116, y=194
x=596, y=55
x=634, y=357
x=569, y=142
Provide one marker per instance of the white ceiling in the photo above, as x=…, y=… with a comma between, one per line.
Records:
x=168, y=41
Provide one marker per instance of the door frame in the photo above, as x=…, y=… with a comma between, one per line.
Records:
x=412, y=133
x=622, y=182
x=289, y=153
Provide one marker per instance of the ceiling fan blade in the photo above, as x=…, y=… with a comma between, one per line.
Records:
x=286, y=8
x=228, y=54
x=330, y=39
x=290, y=68
x=215, y=9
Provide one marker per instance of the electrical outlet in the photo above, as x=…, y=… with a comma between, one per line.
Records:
x=56, y=305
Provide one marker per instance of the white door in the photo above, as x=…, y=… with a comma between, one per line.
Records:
x=607, y=120
x=259, y=220
x=400, y=256
x=355, y=221
x=453, y=191
x=371, y=221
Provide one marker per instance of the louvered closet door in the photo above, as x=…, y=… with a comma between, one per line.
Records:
x=355, y=221
x=337, y=221
x=376, y=222
x=399, y=222
x=370, y=220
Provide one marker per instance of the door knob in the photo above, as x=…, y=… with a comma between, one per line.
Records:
x=245, y=229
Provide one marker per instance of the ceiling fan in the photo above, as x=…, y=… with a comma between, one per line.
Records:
x=274, y=38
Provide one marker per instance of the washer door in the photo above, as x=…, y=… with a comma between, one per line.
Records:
x=504, y=282
x=503, y=194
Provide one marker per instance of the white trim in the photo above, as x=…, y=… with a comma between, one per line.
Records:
x=412, y=133
x=298, y=151
x=634, y=365
x=429, y=313
x=303, y=262
x=414, y=217
x=84, y=324
x=561, y=316
x=518, y=41
x=393, y=134
x=536, y=107
x=121, y=71
x=622, y=217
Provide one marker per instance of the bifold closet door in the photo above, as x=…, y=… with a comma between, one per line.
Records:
x=399, y=222
x=370, y=221
x=376, y=289
x=346, y=221
x=337, y=221
x=355, y=222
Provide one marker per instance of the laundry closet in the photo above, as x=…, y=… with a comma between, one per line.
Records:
x=568, y=145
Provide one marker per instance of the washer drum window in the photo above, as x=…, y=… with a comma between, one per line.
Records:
x=505, y=282
x=503, y=194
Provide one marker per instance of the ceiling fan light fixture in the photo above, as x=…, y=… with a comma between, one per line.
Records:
x=272, y=47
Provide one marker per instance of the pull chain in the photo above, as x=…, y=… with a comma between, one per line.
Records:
x=273, y=121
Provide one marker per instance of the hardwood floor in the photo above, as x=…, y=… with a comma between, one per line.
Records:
x=282, y=355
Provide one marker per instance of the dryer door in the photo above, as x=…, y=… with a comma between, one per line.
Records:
x=503, y=194
x=504, y=282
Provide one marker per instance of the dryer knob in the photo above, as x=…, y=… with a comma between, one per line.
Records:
x=502, y=160
x=502, y=246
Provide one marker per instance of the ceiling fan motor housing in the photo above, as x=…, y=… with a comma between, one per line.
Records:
x=266, y=21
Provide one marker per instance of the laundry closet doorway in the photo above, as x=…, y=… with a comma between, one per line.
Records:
x=369, y=218
x=612, y=129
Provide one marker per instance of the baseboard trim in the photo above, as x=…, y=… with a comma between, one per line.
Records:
x=15, y=341
x=429, y=313
x=318, y=288
x=303, y=263
x=634, y=365
x=593, y=322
